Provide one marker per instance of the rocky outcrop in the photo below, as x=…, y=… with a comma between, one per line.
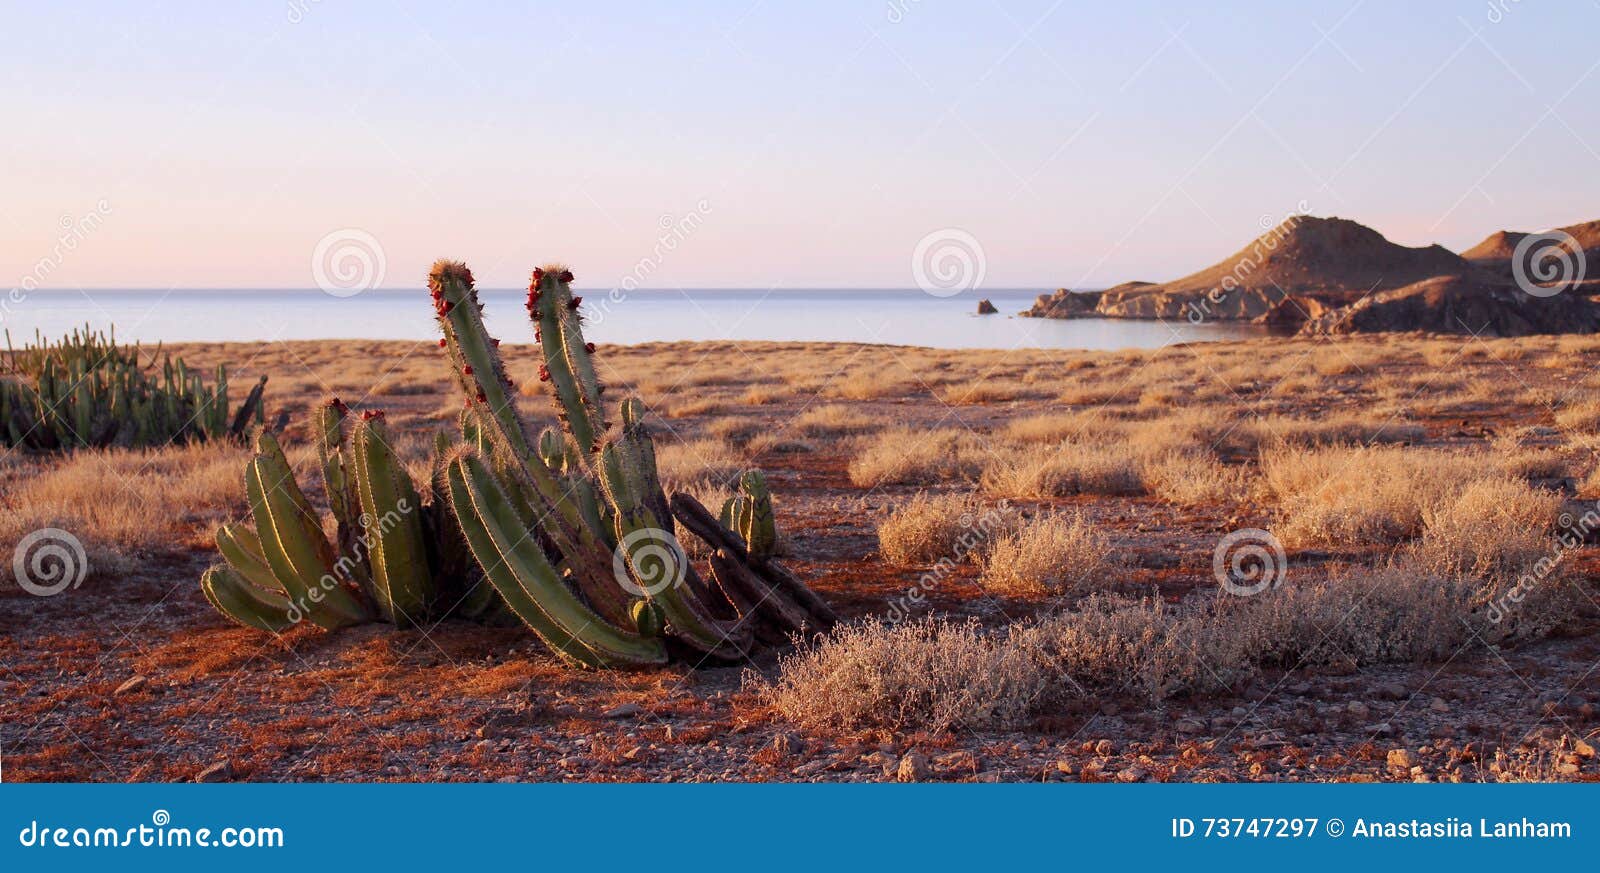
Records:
x=1065, y=303
x=1498, y=251
x=1461, y=305
x=1331, y=259
x=986, y=308
x=1295, y=310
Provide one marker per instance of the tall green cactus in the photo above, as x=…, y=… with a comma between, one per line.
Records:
x=589, y=503
x=749, y=514
x=85, y=390
x=388, y=547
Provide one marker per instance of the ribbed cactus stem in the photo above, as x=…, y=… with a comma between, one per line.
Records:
x=391, y=510
x=530, y=586
x=567, y=357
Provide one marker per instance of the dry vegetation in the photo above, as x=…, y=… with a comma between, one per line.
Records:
x=1020, y=539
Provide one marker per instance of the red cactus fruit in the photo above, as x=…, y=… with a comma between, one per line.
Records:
x=574, y=303
x=544, y=373
x=589, y=347
x=538, y=276
x=441, y=342
x=566, y=275
x=482, y=398
x=467, y=369
x=494, y=342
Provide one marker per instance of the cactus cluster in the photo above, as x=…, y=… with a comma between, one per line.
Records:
x=573, y=527
x=570, y=527
x=395, y=556
x=87, y=391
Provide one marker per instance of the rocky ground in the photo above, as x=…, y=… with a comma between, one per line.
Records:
x=134, y=677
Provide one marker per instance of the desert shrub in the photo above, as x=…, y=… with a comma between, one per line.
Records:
x=1493, y=528
x=1584, y=416
x=1051, y=554
x=1072, y=467
x=936, y=674
x=686, y=465
x=928, y=674
x=912, y=457
x=1343, y=496
x=822, y=421
x=1192, y=478
x=933, y=528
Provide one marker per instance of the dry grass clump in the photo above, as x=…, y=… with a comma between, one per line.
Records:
x=912, y=457
x=1493, y=528
x=1583, y=416
x=1055, y=427
x=691, y=464
x=1053, y=554
x=120, y=503
x=824, y=421
x=1194, y=479
x=931, y=528
x=1072, y=467
x=1348, y=428
x=871, y=384
x=928, y=674
x=1345, y=496
x=934, y=675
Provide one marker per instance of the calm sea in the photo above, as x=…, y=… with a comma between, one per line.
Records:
x=870, y=316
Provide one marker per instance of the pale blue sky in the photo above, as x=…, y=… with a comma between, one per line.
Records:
x=1081, y=144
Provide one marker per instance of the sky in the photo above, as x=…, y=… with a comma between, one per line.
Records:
x=764, y=144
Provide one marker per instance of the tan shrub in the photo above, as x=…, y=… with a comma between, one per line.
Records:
x=1344, y=496
x=688, y=465
x=1493, y=528
x=913, y=457
x=821, y=421
x=1072, y=467
x=1194, y=478
x=1052, y=554
x=933, y=528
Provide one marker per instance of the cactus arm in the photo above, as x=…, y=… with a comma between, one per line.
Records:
x=566, y=356
x=243, y=602
x=293, y=544
x=517, y=568
x=640, y=534
x=760, y=528
x=241, y=548
x=391, y=505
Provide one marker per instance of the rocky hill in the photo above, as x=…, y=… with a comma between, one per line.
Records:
x=1483, y=306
